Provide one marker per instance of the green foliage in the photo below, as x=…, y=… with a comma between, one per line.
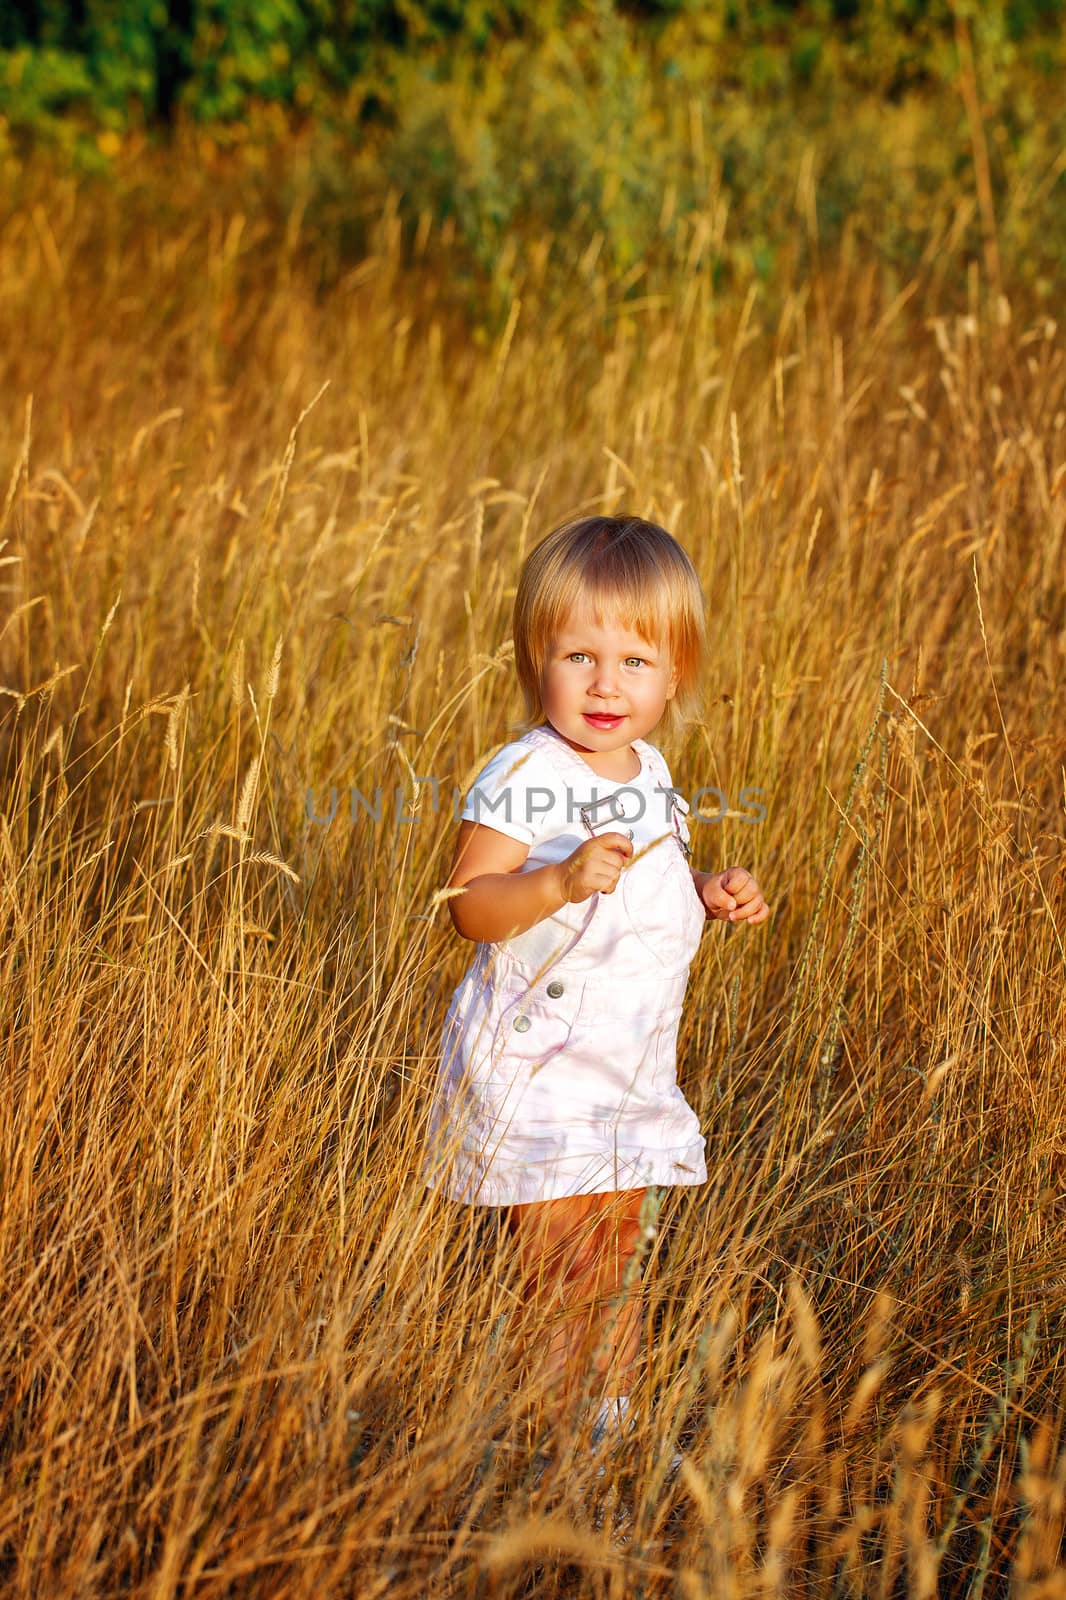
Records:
x=609, y=147
x=39, y=89
x=595, y=129
x=251, y=49
x=234, y=53
x=83, y=75
x=568, y=135
x=308, y=53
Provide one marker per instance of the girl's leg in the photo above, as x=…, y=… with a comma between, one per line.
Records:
x=573, y=1254
x=620, y=1325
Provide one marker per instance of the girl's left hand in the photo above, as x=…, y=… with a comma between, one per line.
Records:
x=733, y=896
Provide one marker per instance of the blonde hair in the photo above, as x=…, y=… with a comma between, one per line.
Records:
x=632, y=568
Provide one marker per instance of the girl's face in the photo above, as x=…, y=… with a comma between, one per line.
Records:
x=604, y=685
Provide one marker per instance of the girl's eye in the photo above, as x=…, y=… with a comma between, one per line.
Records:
x=578, y=655
x=634, y=661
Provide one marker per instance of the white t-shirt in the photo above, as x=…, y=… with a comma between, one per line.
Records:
x=522, y=793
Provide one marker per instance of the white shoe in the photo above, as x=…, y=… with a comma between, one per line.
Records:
x=612, y=1421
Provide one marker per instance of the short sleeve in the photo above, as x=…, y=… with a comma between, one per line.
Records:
x=512, y=794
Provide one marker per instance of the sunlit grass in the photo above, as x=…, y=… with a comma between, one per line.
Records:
x=261, y=539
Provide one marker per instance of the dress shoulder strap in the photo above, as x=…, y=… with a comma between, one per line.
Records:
x=653, y=759
x=559, y=754
x=656, y=762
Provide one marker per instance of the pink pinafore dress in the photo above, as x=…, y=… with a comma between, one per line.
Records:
x=558, y=1060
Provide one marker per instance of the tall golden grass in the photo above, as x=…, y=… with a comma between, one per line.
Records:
x=260, y=539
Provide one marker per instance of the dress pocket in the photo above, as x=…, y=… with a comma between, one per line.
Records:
x=532, y=1026
x=662, y=905
x=666, y=1057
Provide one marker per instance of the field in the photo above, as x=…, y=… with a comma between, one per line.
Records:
x=261, y=524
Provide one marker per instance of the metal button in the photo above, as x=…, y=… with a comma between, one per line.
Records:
x=522, y=1024
x=555, y=989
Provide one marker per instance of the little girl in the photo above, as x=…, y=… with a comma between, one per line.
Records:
x=557, y=1097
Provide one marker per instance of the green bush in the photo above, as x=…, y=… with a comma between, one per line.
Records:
x=307, y=53
x=594, y=132
x=608, y=146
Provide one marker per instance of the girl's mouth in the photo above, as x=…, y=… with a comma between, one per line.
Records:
x=601, y=719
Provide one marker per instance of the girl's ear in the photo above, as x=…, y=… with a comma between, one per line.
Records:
x=671, y=687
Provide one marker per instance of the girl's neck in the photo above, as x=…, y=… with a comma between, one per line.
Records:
x=618, y=766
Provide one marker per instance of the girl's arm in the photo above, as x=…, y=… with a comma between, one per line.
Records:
x=498, y=901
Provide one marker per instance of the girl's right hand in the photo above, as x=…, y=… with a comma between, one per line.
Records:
x=595, y=866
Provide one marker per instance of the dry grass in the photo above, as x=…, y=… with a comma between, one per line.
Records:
x=242, y=1353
